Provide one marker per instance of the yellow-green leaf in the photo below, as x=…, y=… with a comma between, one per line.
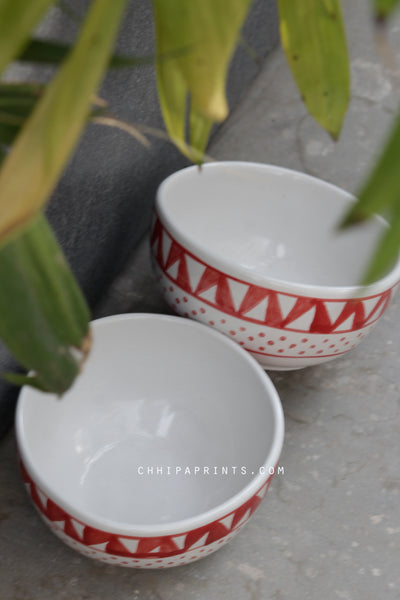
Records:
x=201, y=35
x=314, y=41
x=39, y=154
x=17, y=20
x=199, y=132
x=384, y=8
x=172, y=94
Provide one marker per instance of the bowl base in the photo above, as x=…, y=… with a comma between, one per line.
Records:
x=165, y=562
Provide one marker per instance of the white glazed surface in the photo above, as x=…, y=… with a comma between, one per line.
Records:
x=156, y=391
x=253, y=251
x=268, y=223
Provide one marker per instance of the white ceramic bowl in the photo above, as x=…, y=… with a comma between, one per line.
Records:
x=254, y=251
x=161, y=451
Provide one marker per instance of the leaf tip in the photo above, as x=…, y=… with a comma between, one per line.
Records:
x=215, y=108
x=334, y=135
x=354, y=217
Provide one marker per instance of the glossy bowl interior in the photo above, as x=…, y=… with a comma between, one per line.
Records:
x=156, y=392
x=254, y=251
x=268, y=224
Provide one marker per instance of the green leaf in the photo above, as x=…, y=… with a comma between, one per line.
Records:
x=201, y=36
x=387, y=251
x=17, y=106
x=381, y=194
x=17, y=20
x=40, y=152
x=199, y=132
x=381, y=191
x=172, y=94
x=17, y=102
x=8, y=131
x=20, y=90
x=119, y=62
x=314, y=41
x=53, y=53
x=384, y=8
x=20, y=380
x=43, y=316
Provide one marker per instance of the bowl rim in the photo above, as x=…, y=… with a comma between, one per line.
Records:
x=189, y=523
x=240, y=273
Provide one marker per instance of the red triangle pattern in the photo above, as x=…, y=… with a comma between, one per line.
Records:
x=380, y=307
x=54, y=512
x=321, y=322
x=253, y=297
x=176, y=254
x=115, y=547
x=353, y=307
x=223, y=295
x=164, y=545
x=70, y=530
x=194, y=536
x=211, y=277
x=274, y=315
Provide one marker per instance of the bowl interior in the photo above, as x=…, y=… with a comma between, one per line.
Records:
x=156, y=392
x=269, y=222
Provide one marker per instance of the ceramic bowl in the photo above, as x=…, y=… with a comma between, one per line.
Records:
x=254, y=251
x=161, y=451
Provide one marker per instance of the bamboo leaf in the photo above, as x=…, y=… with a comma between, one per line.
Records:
x=54, y=53
x=44, y=51
x=17, y=20
x=43, y=316
x=387, y=251
x=384, y=8
x=314, y=41
x=20, y=380
x=36, y=161
x=381, y=194
x=211, y=32
x=201, y=35
x=8, y=131
x=172, y=94
x=199, y=133
x=20, y=90
x=17, y=102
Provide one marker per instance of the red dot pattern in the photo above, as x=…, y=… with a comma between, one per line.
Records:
x=157, y=563
x=293, y=345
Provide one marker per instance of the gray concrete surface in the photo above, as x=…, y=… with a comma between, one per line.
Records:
x=330, y=525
